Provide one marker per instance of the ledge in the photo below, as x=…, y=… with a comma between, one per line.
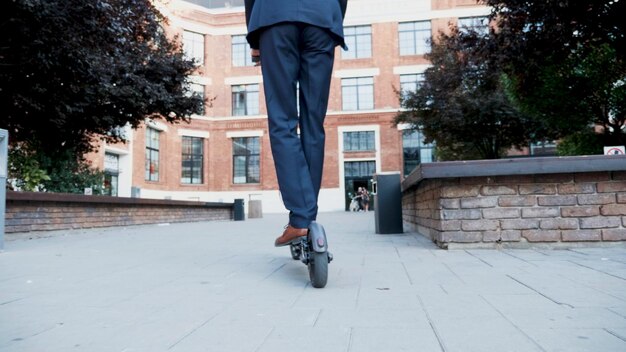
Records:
x=79, y=198
x=33, y=211
x=517, y=166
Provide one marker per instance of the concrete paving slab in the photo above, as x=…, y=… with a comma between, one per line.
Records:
x=566, y=292
x=313, y=339
x=373, y=317
x=222, y=286
x=533, y=311
x=387, y=298
x=620, y=333
x=401, y=339
x=577, y=340
x=215, y=337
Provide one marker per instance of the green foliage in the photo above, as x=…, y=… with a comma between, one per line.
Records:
x=462, y=104
x=566, y=63
x=63, y=172
x=459, y=151
x=74, y=69
x=24, y=171
x=69, y=174
x=550, y=70
x=581, y=143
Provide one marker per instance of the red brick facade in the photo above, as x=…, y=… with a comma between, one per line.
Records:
x=28, y=211
x=217, y=126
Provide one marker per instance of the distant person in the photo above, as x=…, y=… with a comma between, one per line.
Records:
x=365, y=199
x=294, y=41
x=359, y=197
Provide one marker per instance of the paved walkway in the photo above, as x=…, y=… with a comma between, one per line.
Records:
x=222, y=286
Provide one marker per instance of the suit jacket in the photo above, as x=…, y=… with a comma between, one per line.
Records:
x=321, y=13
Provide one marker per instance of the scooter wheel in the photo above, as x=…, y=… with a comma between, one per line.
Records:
x=318, y=269
x=296, y=252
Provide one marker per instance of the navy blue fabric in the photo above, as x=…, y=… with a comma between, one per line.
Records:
x=291, y=53
x=327, y=14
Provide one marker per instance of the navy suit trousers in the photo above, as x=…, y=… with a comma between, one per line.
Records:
x=294, y=53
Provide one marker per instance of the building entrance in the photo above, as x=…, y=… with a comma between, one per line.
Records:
x=111, y=174
x=358, y=174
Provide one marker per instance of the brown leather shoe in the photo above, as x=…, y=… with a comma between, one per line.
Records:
x=291, y=234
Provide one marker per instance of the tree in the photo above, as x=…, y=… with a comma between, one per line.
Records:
x=585, y=142
x=74, y=70
x=462, y=103
x=565, y=61
x=24, y=171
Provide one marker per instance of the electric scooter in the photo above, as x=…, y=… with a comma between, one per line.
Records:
x=312, y=250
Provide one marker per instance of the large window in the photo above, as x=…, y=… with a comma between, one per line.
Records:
x=359, y=168
x=410, y=82
x=241, y=51
x=359, y=42
x=245, y=100
x=359, y=141
x=357, y=93
x=152, y=154
x=415, y=151
x=478, y=24
x=193, y=46
x=193, y=159
x=414, y=37
x=246, y=160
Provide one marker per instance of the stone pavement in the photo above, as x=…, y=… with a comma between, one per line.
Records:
x=222, y=286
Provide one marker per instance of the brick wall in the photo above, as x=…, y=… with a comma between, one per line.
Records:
x=519, y=209
x=27, y=211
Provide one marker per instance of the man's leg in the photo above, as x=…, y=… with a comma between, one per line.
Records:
x=280, y=61
x=316, y=65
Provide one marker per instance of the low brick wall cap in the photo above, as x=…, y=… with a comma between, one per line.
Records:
x=79, y=198
x=516, y=166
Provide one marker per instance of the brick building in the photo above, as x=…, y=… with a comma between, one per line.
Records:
x=224, y=153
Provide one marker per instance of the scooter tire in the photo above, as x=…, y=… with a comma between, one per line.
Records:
x=318, y=269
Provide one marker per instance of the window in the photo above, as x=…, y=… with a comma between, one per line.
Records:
x=415, y=151
x=359, y=141
x=409, y=83
x=543, y=148
x=478, y=24
x=414, y=37
x=241, y=51
x=198, y=89
x=111, y=174
x=246, y=160
x=359, y=42
x=218, y=4
x=152, y=154
x=192, y=162
x=193, y=46
x=357, y=93
x=245, y=100
x=359, y=168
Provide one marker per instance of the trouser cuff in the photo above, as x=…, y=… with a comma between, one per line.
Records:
x=299, y=222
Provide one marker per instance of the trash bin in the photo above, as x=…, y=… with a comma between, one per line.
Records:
x=388, y=202
x=238, y=213
x=135, y=192
x=255, y=207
